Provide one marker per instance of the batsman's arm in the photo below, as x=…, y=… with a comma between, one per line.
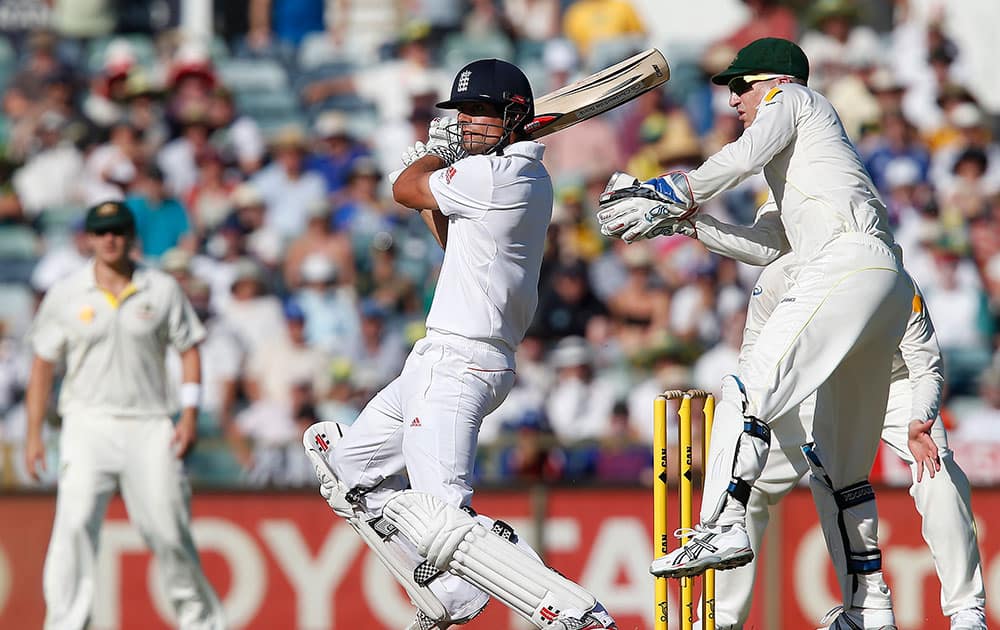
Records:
x=412, y=189
x=758, y=244
x=36, y=402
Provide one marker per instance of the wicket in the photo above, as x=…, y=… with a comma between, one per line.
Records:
x=660, y=498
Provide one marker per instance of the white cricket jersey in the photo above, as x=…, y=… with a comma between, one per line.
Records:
x=115, y=346
x=816, y=178
x=498, y=210
x=918, y=358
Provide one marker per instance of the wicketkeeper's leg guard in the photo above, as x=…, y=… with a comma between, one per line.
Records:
x=737, y=456
x=451, y=539
x=850, y=526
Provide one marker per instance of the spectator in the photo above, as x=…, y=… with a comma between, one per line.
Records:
x=972, y=132
x=533, y=21
x=237, y=137
x=411, y=72
x=50, y=177
x=588, y=23
x=144, y=111
x=336, y=151
x=330, y=306
x=722, y=358
x=982, y=424
x=640, y=308
x=253, y=314
x=340, y=403
x=284, y=376
x=178, y=158
x=110, y=167
x=836, y=41
x=622, y=456
x=767, y=18
x=104, y=104
x=208, y=200
x=665, y=366
x=378, y=352
x=161, y=221
x=580, y=404
x=320, y=238
x=569, y=306
x=60, y=260
x=898, y=139
x=284, y=22
x=533, y=456
x=364, y=213
x=286, y=188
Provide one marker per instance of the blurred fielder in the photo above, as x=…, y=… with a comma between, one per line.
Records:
x=111, y=322
x=488, y=200
x=834, y=331
x=940, y=489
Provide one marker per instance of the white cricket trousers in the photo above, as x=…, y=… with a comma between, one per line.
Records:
x=424, y=426
x=97, y=454
x=943, y=503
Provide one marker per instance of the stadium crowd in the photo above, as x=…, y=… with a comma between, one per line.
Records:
x=255, y=165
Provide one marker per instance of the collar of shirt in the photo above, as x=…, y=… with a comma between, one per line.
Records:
x=528, y=148
x=139, y=281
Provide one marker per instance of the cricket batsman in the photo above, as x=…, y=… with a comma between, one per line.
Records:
x=400, y=475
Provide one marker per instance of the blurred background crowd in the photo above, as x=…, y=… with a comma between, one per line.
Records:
x=252, y=140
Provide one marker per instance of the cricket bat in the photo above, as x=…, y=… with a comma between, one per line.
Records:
x=598, y=93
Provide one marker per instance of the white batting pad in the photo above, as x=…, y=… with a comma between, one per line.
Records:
x=451, y=539
x=317, y=440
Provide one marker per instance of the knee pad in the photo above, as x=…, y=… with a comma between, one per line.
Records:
x=452, y=539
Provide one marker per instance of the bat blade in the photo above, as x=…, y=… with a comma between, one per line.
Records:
x=598, y=93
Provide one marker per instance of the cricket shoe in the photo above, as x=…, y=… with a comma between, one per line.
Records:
x=318, y=440
x=597, y=618
x=718, y=548
x=969, y=619
x=837, y=619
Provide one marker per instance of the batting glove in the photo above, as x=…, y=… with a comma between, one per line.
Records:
x=635, y=210
x=444, y=139
x=414, y=152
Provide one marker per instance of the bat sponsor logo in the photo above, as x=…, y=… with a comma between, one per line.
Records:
x=610, y=102
x=540, y=121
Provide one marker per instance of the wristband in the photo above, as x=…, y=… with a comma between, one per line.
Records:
x=190, y=395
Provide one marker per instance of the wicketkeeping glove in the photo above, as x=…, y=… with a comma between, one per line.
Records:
x=635, y=210
x=444, y=139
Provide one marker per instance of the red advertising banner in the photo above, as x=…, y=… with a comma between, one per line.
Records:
x=284, y=561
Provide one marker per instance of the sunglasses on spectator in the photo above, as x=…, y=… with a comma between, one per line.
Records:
x=115, y=231
x=741, y=85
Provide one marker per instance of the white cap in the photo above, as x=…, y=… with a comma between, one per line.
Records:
x=560, y=56
x=267, y=245
x=966, y=116
x=571, y=352
x=901, y=172
x=245, y=195
x=318, y=268
x=331, y=123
